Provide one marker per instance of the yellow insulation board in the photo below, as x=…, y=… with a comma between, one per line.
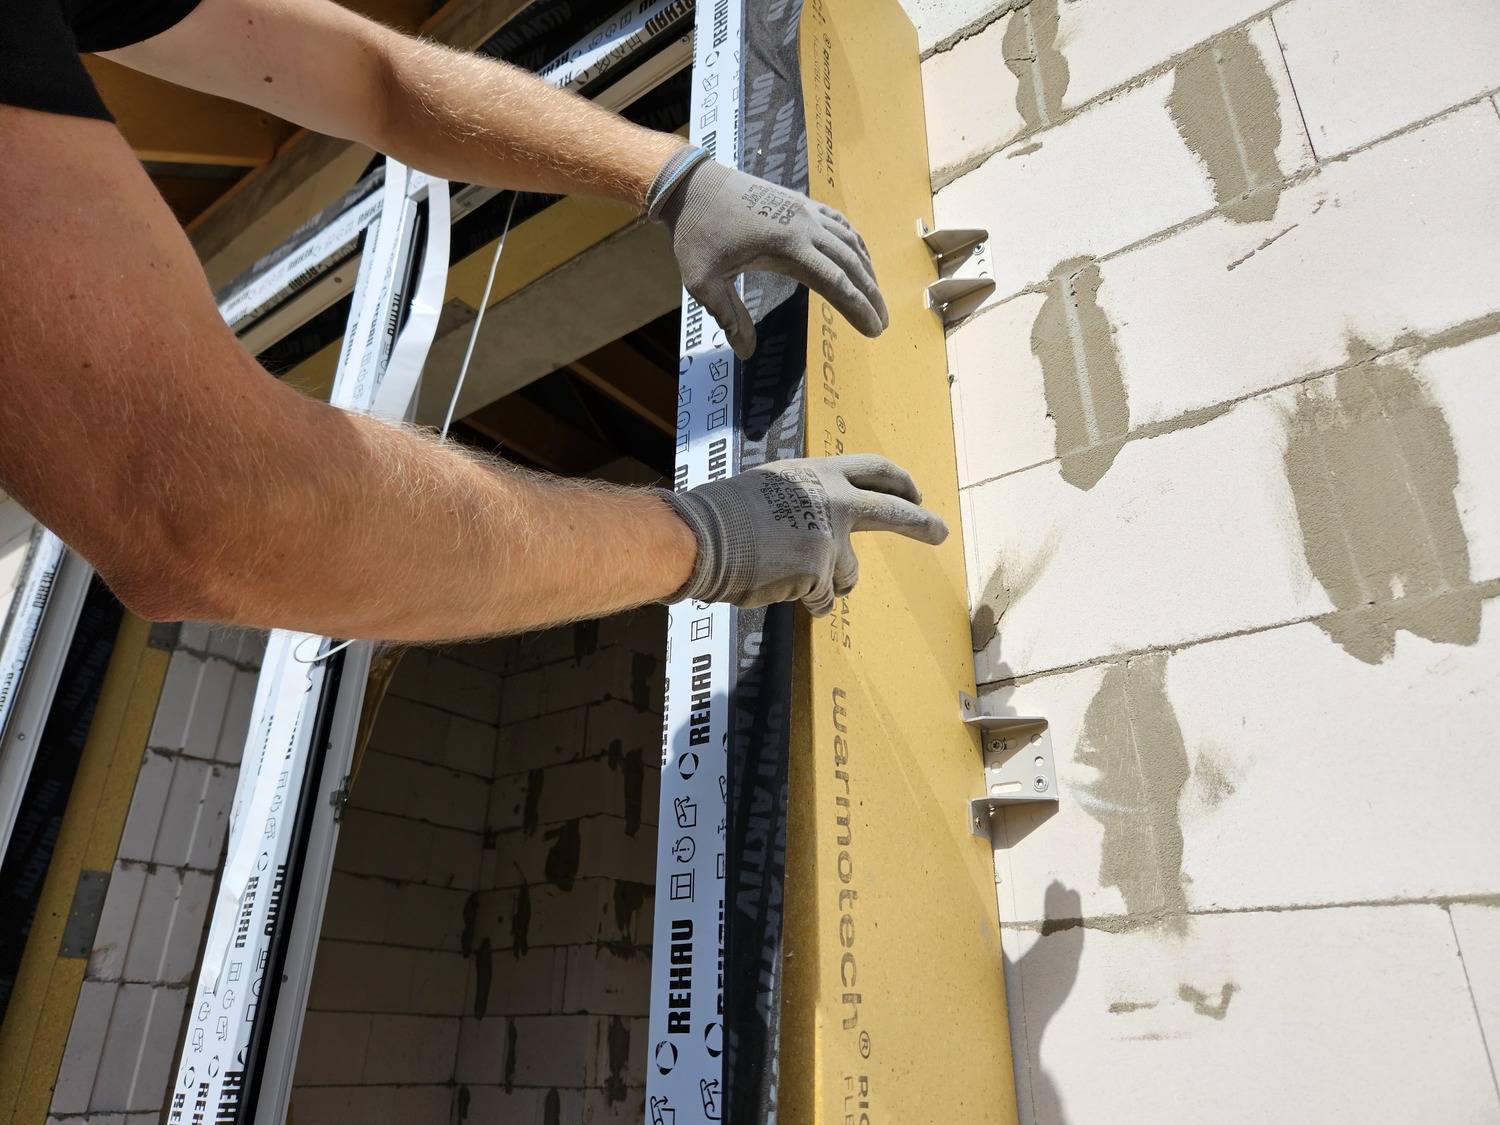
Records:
x=894, y=993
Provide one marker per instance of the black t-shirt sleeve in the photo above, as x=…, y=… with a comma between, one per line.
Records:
x=40, y=41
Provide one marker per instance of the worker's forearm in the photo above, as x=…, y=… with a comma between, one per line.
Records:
x=470, y=118
x=355, y=528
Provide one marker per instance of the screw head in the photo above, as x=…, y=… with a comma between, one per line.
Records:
x=1039, y=783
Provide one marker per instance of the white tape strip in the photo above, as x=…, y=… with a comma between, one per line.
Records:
x=685, y=1071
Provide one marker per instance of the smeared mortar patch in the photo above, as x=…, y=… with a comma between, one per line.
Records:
x=585, y=639
x=534, y=781
x=1121, y=1006
x=1458, y=335
x=510, y=1055
x=461, y=1105
x=1199, y=1000
x=1373, y=471
x=633, y=778
x=1000, y=592
x=520, y=921
x=1030, y=52
x=1074, y=342
x=618, y=1043
x=642, y=671
x=484, y=974
x=471, y=923
x=552, y=1108
x=1131, y=736
x=1024, y=150
x=561, y=867
x=629, y=898
x=1223, y=103
x=1212, y=780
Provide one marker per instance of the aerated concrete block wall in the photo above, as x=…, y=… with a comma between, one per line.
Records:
x=486, y=947
x=118, y=1066
x=1231, y=488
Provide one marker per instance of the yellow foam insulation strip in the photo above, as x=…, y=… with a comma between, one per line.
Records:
x=40, y=1015
x=894, y=1003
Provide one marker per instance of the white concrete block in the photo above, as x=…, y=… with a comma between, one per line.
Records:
x=372, y=1104
x=970, y=97
x=1478, y=931
x=236, y=726
x=410, y=729
x=454, y=859
x=425, y=917
x=168, y=926
x=332, y=1051
x=541, y=741
x=1198, y=531
x=439, y=986
x=356, y=977
x=194, y=701
x=390, y=847
x=462, y=689
x=601, y=981
x=470, y=747
x=999, y=404
x=1339, y=1015
x=116, y=921
x=1366, y=68
x=1108, y=44
x=357, y=907
x=138, y=1048
x=196, y=814
x=404, y=1049
x=1113, y=175
x=1462, y=384
x=1269, y=770
x=1400, y=241
x=552, y=1050
x=937, y=20
x=530, y=984
x=80, y=1062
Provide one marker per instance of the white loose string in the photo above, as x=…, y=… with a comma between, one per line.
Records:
x=489, y=284
x=300, y=659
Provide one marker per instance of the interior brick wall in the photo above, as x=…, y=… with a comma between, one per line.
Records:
x=485, y=953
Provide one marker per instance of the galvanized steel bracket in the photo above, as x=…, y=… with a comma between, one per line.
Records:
x=965, y=276
x=1018, y=765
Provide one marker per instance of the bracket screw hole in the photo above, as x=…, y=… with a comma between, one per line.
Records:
x=1039, y=783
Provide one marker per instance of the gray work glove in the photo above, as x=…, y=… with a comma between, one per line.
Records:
x=780, y=532
x=725, y=222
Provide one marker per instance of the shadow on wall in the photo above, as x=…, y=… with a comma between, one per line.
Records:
x=1045, y=974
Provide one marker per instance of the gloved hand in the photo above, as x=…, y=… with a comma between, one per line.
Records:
x=780, y=531
x=725, y=222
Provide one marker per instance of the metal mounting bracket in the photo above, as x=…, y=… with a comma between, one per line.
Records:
x=965, y=276
x=1018, y=763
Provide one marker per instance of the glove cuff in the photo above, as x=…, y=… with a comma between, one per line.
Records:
x=673, y=173
x=725, y=567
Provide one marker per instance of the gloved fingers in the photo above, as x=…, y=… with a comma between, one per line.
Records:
x=823, y=275
x=819, y=600
x=722, y=300
x=857, y=268
x=845, y=570
x=838, y=217
x=839, y=227
x=875, y=473
x=880, y=512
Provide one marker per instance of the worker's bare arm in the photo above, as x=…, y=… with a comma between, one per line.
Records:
x=133, y=424
x=450, y=113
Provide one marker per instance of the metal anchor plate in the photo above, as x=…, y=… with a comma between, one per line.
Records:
x=1018, y=764
x=965, y=274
